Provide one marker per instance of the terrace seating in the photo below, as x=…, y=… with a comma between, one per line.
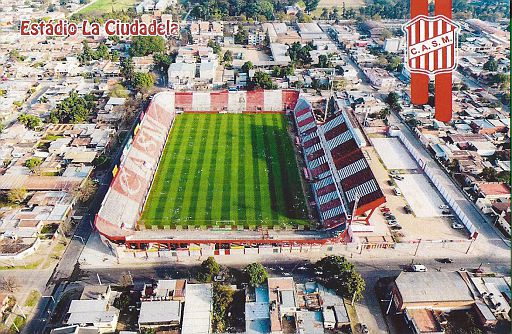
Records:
x=332, y=153
x=124, y=200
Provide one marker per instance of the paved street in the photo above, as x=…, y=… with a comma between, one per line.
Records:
x=369, y=264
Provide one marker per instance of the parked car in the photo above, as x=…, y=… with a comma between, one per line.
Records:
x=392, y=223
x=443, y=206
x=397, y=191
x=396, y=227
x=384, y=209
x=390, y=183
x=446, y=212
x=418, y=268
x=393, y=172
x=457, y=226
x=445, y=260
x=398, y=177
x=363, y=328
x=407, y=209
x=390, y=217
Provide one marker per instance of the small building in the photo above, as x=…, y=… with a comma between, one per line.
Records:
x=162, y=315
x=198, y=309
x=380, y=78
x=93, y=313
x=75, y=330
x=422, y=321
x=165, y=290
x=435, y=290
x=394, y=44
x=341, y=315
x=329, y=318
x=485, y=315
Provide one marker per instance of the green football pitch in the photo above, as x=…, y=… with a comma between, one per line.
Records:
x=227, y=169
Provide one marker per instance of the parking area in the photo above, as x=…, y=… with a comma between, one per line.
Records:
x=393, y=153
x=425, y=221
x=421, y=196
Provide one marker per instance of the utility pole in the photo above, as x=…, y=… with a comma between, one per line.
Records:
x=471, y=243
x=417, y=247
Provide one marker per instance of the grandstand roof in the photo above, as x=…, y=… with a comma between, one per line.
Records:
x=339, y=169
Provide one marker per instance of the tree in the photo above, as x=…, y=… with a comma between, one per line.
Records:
x=86, y=191
x=491, y=65
x=247, y=66
x=241, y=37
x=119, y=91
x=30, y=121
x=303, y=17
x=300, y=54
x=142, y=81
x=122, y=302
x=9, y=284
x=127, y=69
x=324, y=62
x=454, y=166
x=33, y=163
x=489, y=174
x=311, y=5
x=16, y=195
x=339, y=84
x=16, y=56
x=256, y=274
x=208, y=270
x=392, y=99
x=215, y=46
x=384, y=113
x=341, y=275
x=502, y=80
x=262, y=80
x=102, y=52
x=228, y=57
x=146, y=45
x=125, y=280
x=325, y=13
x=73, y=109
x=163, y=61
x=87, y=53
x=222, y=301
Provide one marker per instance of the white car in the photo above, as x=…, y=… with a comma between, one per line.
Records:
x=443, y=206
x=457, y=226
x=397, y=191
x=418, y=268
x=392, y=223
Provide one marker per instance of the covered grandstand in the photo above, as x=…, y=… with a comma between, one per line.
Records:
x=339, y=174
x=341, y=179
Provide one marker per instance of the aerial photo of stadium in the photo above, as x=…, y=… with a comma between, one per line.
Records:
x=253, y=168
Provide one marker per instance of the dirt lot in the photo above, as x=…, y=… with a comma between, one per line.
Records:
x=249, y=54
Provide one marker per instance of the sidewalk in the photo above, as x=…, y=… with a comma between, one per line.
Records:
x=97, y=255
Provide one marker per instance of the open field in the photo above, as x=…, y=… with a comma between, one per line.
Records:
x=227, y=169
x=105, y=6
